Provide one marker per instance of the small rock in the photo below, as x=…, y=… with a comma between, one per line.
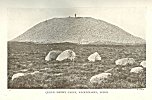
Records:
x=125, y=61
x=136, y=70
x=143, y=64
x=94, y=57
x=17, y=75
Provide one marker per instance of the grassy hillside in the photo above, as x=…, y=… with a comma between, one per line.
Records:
x=76, y=30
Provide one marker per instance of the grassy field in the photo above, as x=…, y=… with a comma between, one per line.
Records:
x=29, y=57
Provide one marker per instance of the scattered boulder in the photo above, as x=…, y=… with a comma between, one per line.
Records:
x=136, y=70
x=94, y=57
x=97, y=79
x=67, y=54
x=143, y=64
x=52, y=55
x=125, y=61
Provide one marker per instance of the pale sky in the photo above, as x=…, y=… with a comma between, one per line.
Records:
x=131, y=19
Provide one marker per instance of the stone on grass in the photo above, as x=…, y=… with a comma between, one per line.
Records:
x=143, y=64
x=125, y=61
x=52, y=55
x=67, y=54
x=100, y=78
x=94, y=57
x=136, y=70
x=18, y=75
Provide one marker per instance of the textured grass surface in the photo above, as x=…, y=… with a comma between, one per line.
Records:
x=69, y=75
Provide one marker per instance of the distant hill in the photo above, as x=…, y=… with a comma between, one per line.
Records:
x=84, y=30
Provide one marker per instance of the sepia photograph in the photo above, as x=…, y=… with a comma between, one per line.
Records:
x=76, y=48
